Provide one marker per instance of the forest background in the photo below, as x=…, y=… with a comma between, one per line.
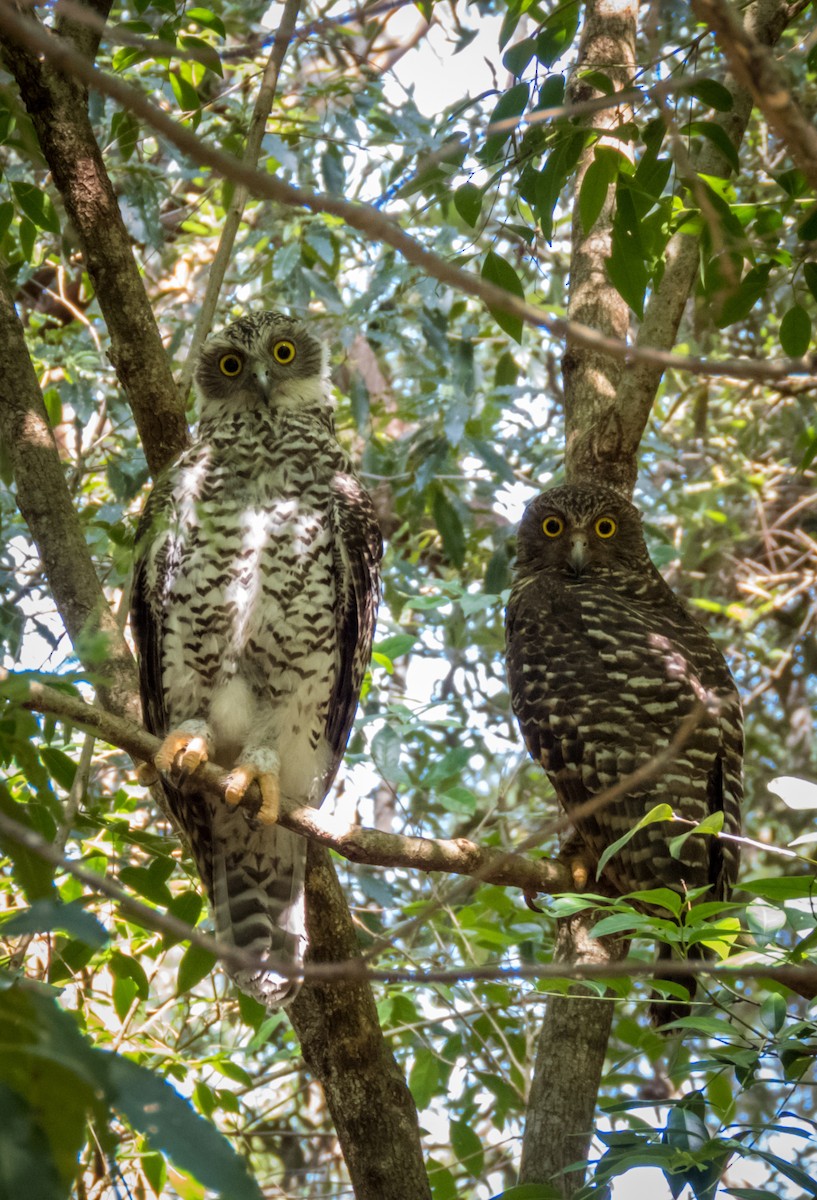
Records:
x=647, y=171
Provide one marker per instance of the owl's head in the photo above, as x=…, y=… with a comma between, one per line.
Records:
x=264, y=360
x=580, y=529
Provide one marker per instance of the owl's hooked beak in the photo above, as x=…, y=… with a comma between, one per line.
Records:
x=577, y=555
x=262, y=378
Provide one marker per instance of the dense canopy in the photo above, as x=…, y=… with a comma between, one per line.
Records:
x=386, y=171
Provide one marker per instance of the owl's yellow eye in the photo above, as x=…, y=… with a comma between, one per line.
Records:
x=230, y=364
x=605, y=527
x=283, y=352
x=552, y=526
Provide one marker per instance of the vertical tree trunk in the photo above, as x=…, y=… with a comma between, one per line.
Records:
x=592, y=428
x=576, y=1027
x=343, y=1046
x=569, y=1059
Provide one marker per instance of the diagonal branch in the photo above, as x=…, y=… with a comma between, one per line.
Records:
x=45, y=503
x=665, y=308
x=57, y=104
x=755, y=70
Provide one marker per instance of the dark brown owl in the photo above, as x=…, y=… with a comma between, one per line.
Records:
x=604, y=663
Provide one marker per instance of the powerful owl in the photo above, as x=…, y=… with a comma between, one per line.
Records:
x=255, y=595
x=604, y=664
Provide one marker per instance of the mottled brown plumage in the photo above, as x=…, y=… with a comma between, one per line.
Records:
x=604, y=663
x=255, y=595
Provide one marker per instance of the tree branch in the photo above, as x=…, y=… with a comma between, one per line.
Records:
x=592, y=436
x=755, y=70
x=800, y=978
x=57, y=105
x=373, y=223
x=45, y=503
x=662, y=316
x=354, y=842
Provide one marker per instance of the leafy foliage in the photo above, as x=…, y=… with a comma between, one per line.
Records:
x=455, y=427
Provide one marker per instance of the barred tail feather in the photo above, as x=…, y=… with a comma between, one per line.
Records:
x=259, y=903
x=663, y=1011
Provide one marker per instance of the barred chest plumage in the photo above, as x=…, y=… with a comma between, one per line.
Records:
x=250, y=589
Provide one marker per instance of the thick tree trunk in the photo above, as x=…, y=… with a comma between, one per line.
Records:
x=343, y=1046
x=569, y=1060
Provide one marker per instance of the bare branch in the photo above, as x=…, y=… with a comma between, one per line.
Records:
x=45, y=503
x=800, y=978
x=756, y=71
x=357, y=844
x=373, y=223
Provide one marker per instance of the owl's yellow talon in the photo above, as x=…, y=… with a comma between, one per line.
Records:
x=195, y=754
x=146, y=774
x=192, y=747
x=240, y=779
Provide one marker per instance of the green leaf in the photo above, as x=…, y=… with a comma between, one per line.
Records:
x=661, y=812
x=795, y=331
x=195, y=965
x=711, y=93
x=468, y=203
x=387, y=747
x=125, y=991
x=27, y=1167
x=34, y=876
x=595, y=187
x=424, y=1077
x=557, y=33
x=397, y=645
x=205, y=54
x=719, y=138
x=156, y=1110
x=810, y=276
x=516, y=57
x=45, y=1059
x=498, y=270
x=37, y=206
x=627, y=270
x=773, y=1012
x=807, y=229
x=785, y=887
x=467, y=1145
x=450, y=527
x=207, y=19
x=510, y=106
x=45, y=916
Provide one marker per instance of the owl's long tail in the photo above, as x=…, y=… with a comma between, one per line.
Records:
x=664, y=1011
x=257, y=894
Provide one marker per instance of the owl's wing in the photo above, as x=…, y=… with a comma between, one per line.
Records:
x=147, y=609
x=358, y=548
